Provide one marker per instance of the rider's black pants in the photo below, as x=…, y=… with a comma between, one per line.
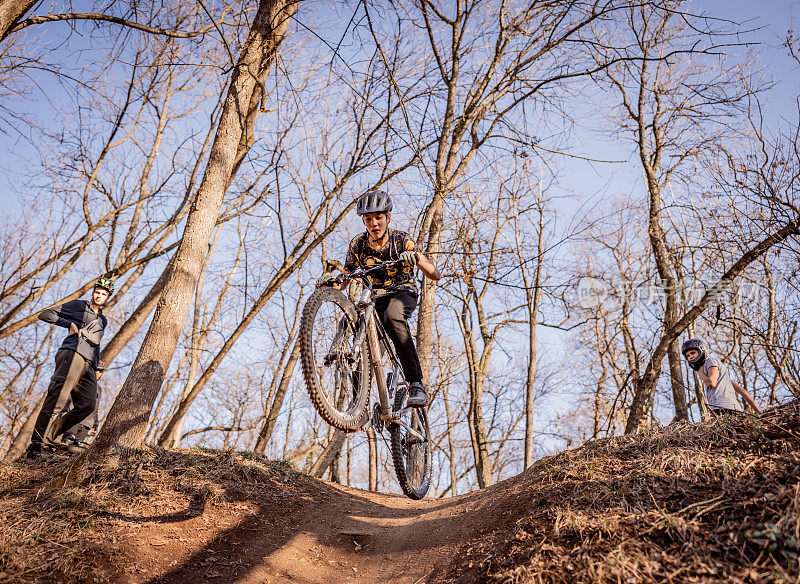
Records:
x=717, y=412
x=394, y=310
x=74, y=377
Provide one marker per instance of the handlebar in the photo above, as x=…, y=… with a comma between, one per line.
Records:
x=359, y=273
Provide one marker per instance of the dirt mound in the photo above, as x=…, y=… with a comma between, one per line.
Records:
x=709, y=503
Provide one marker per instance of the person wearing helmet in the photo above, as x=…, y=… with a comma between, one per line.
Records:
x=395, y=290
x=721, y=390
x=74, y=438
x=77, y=362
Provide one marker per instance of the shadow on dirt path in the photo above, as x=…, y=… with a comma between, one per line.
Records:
x=312, y=532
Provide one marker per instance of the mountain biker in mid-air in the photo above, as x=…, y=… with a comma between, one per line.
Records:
x=395, y=289
x=721, y=390
x=77, y=362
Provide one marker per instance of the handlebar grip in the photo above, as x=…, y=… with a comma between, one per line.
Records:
x=331, y=265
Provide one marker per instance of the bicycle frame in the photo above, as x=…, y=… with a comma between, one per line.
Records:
x=366, y=305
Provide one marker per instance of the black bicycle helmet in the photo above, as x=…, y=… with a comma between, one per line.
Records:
x=698, y=345
x=374, y=202
x=106, y=284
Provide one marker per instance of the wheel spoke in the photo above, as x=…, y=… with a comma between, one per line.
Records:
x=331, y=360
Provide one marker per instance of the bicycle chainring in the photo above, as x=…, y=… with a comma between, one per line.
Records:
x=377, y=421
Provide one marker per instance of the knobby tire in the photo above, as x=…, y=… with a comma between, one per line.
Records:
x=357, y=413
x=413, y=487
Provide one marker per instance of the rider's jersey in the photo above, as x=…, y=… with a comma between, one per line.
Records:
x=723, y=395
x=91, y=325
x=360, y=254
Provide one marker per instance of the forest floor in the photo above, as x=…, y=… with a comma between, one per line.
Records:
x=713, y=502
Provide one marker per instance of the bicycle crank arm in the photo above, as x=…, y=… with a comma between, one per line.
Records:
x=392, y=420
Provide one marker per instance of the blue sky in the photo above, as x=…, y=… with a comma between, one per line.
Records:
x=773, y=17
x=595, y=182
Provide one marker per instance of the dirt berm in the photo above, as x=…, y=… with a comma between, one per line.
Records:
x=715, y=502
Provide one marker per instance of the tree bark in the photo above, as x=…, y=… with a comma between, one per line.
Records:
x=450, y=442
x=676, y=378
x=199, y=336
x=533, y=295
x=137, y=318
x=478, y=363
x=328, y=455
x=658, y=241
x=483, y=468
x=427, y=300
x=24, y=435
x=127, y=421
x=372, y=438
x=10, y=13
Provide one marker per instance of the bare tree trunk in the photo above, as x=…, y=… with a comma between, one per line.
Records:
x=336, y=464
x=275, y=408
x=699, y=388
x=478, y=370
x=702, y=401
x=372, y=438
x=199, y=336
x=427, y=302
x=10, y=12
x=483, y=469
x=658, y=242
x=22, y=438
x=153, y=425
x=145, y=308
x=328, y=455
x=779, y=365
x=137, y=318
x=450, y=441
x=349, y=466
x=598, y=399
x=533, y=295
x=127, y=421
x=676, y=378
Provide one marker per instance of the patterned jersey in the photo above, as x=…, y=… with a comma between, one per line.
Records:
x=360, y=254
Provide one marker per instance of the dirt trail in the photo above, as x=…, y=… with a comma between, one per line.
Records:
x=312, y=532
x=714, y=502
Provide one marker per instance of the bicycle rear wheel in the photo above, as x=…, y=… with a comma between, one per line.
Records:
x=411, y=453
x=336, y=371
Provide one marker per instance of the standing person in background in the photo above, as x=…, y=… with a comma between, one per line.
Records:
x=76, y=436
x=720, y=389
x=77, y=362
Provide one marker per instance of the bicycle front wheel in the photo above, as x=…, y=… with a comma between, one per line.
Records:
x=335, y=364
x=411, y=449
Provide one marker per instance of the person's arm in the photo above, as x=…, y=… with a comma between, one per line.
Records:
x=712, y=378
x=55, y=315
x=746, y=396
x=428, y=268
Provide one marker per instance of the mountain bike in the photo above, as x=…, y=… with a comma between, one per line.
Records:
x=343, y=347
